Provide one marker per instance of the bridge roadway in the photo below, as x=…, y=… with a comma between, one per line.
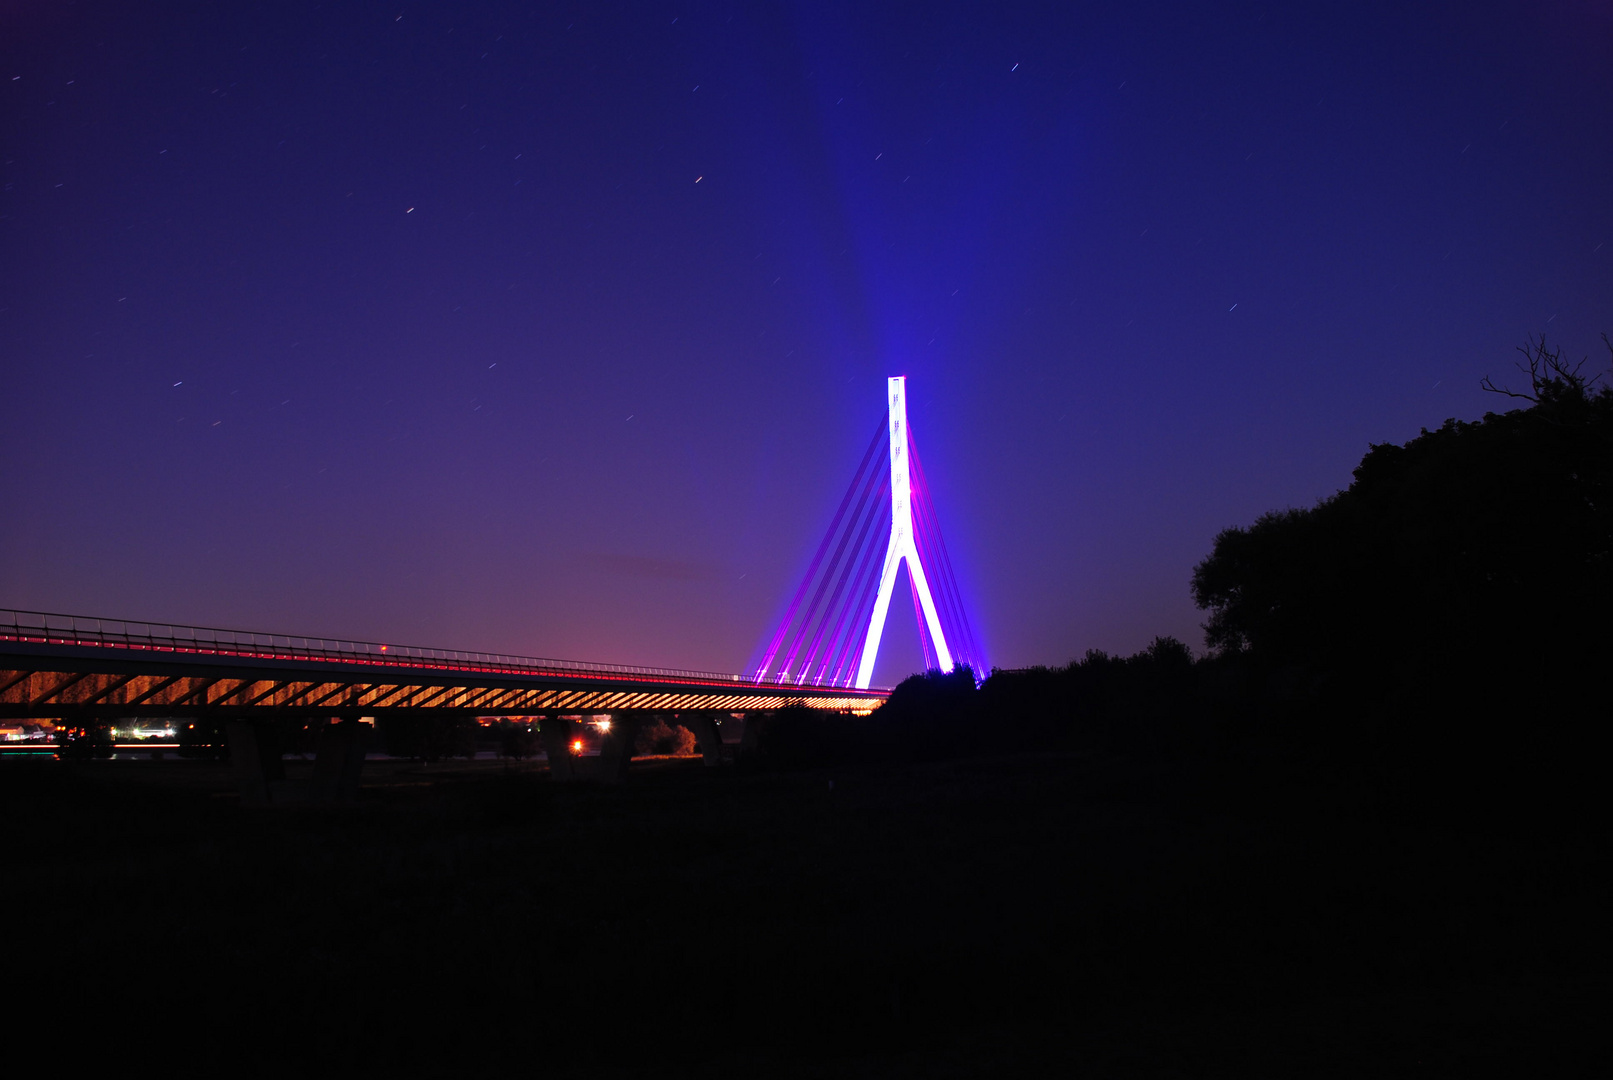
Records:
x=79, y=671
x=73, y=668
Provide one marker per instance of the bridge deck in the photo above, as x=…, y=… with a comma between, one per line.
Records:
x=71, y=667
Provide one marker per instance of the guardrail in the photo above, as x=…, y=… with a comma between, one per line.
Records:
x=53, y=628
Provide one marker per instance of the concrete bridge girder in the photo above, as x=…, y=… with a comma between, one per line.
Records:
x=61, y=692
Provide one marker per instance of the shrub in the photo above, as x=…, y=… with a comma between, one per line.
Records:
x=659, y=737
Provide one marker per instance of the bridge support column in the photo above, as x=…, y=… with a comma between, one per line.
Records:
x=750, y=736
x=616, y=748
x=707, y=734
x=255, y=752
x=556, y=733
x=260, y=772
x=338, y=760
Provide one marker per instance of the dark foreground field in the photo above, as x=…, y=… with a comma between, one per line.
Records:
x=1049, y=914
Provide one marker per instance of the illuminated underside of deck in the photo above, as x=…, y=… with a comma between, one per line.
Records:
x=59, y=691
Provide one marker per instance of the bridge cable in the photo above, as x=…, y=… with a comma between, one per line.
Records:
x=881, y=433
x=852, y=574
x=923, y=528
x=937, y=542
x=817, y=598
x=857, y=641
x=860, y=600
x=816, y=654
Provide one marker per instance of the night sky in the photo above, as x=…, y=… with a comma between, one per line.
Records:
x=560, y=330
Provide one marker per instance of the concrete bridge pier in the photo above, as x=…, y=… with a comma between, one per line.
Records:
x=750, y=736
x=706, y=734
x=338, y=762
x=557, y=733
x=255, y=753
x=260, y=771
x=616, y=748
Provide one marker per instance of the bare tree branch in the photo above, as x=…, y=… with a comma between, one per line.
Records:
x=1546, y=369
x=1486, y=384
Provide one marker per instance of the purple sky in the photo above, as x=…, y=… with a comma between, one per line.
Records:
x=560, y=330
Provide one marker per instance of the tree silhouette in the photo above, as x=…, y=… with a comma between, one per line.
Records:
x=1463, y=575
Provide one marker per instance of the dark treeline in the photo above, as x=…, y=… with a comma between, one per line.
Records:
x=1453, y=601
x=1448, y=614
x=1148, y=704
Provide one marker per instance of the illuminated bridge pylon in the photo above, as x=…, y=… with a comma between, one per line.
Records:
x=831, y=631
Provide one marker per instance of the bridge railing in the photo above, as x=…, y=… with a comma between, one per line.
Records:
x=49, y=627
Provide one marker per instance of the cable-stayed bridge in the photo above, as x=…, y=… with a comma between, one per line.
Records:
x=86, y=671
x=831, y=631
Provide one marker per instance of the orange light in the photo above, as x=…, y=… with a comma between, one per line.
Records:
x=576, y=747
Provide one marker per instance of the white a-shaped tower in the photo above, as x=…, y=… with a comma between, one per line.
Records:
x=902, y=546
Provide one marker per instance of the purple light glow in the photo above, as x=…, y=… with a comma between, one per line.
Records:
x=789, y=615
x=827, y=624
